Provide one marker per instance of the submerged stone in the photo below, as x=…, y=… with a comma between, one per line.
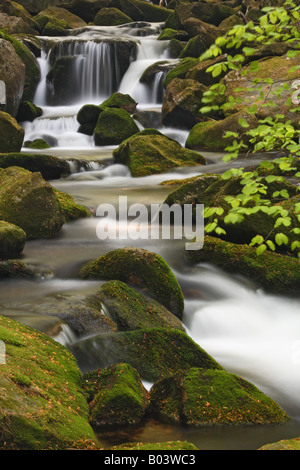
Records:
x=206, y=397
x=142, y=269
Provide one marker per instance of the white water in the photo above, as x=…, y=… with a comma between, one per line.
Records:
x=249, y=332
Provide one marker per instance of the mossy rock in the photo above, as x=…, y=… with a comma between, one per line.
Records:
x=55, y=20
x=192, y=191
x=199, y=71
x=11, y=133
x=209, y=136
x=153, y=352
x=29, y=202
x=43, y=392
x=130, y=310
x=159, y=446
x=121, y=101
x=168, y=33
x=36, y=144
x=142, y=269
x=12, y=240
x=154, y=153
x=71, y=209
x=180, y=70
x=50, y=167
x=111, y=17
x=32, y=69
x=120, y=397
x=16, y=269
x=61, y=78
x=152, y=13
x=276, y=273
x=212, y=397
x=113, y=126
x=284, y=444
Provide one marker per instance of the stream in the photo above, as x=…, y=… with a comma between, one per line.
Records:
x=249, y=332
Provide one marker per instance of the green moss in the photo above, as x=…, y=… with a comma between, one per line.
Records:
x=120, y=100
x=142, y=269
x=42, y=405
x=37, y=144
x=130, y=310
x=273, y=271
x=113, y=126
x=168, y=33
x=285, y=444
x=169, y=445
x=153, y=352
x=181, y=69
x=120, y=397
x=205, y=397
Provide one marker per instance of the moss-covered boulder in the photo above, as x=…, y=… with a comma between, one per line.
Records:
x=36, y=144
x=151, y=152
x=16, y=269
x=142, y=269
x=21, y=20
x=276, y=95
x=206, y=397
x=182, y=103
x=118, y=398
x=111, y=17
x=50, y=167
x=11, y=133
x=210, y=135
x=120, y=101
x=275, y=272
x=113, y=126
x=70, y=208
x=28, y=111
x=168, y=33
x=192, y=191
x=12, y=240
x=32, y=69
x=130, y=310
x=29, y=202
x=181, y=69
x=43, y=406
x=12, y=73
x=153, y=352
x=199, y=71
x=54, y=21
x=203, y=36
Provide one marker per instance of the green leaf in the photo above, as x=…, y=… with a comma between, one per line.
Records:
x=281, y=239
x=261, y=249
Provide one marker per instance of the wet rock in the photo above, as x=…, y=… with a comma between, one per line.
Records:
x=11, y=133
x=12, y=240
x=141, y=269
x=111, y=17
x=149, y=152
x=113, y=126
x=131, y=310
x=54, y=21
x=116, y=395
x=120, y=101
x=37, y=144
x=12, y=73
x=61, y=80
x=182, y=102
x=28, y=112
x=50, y=167
x=71, y=210
x=16, y=269
x=153, y=352
x=33, y=359
x=205, y=397
x=202, y=37
x=22, y=19
x=29, y=202
x=284, y=444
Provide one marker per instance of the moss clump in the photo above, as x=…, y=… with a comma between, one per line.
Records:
x=153, y=153
x=12, y=240
x=169, y=445
x=29, y=202
x=71, y=210
x=37, y=144
x=142, y=269
x=273, y=271
x=205, y=397
x=42, y=404
x=120, y=397
x=153, y=352
x=113, y=126
x=130, y=310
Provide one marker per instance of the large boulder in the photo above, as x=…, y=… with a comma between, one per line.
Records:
x=131, y=310
x=182, y=103
x=15, y=25
x=150, y=152
x=11, y=133
x=43, y=392
x=207, y=397
x=113, y=126
x=111, y=17
x=12, y=240
x=142, y=269
x=20, y=16
x=276, y=95
x=116, y=395
x=54, y=21
x=153, y=352
x=50, y=167
x=12, y=73
x=29, y=202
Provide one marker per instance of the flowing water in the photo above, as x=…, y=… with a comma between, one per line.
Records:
x=249, y=332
